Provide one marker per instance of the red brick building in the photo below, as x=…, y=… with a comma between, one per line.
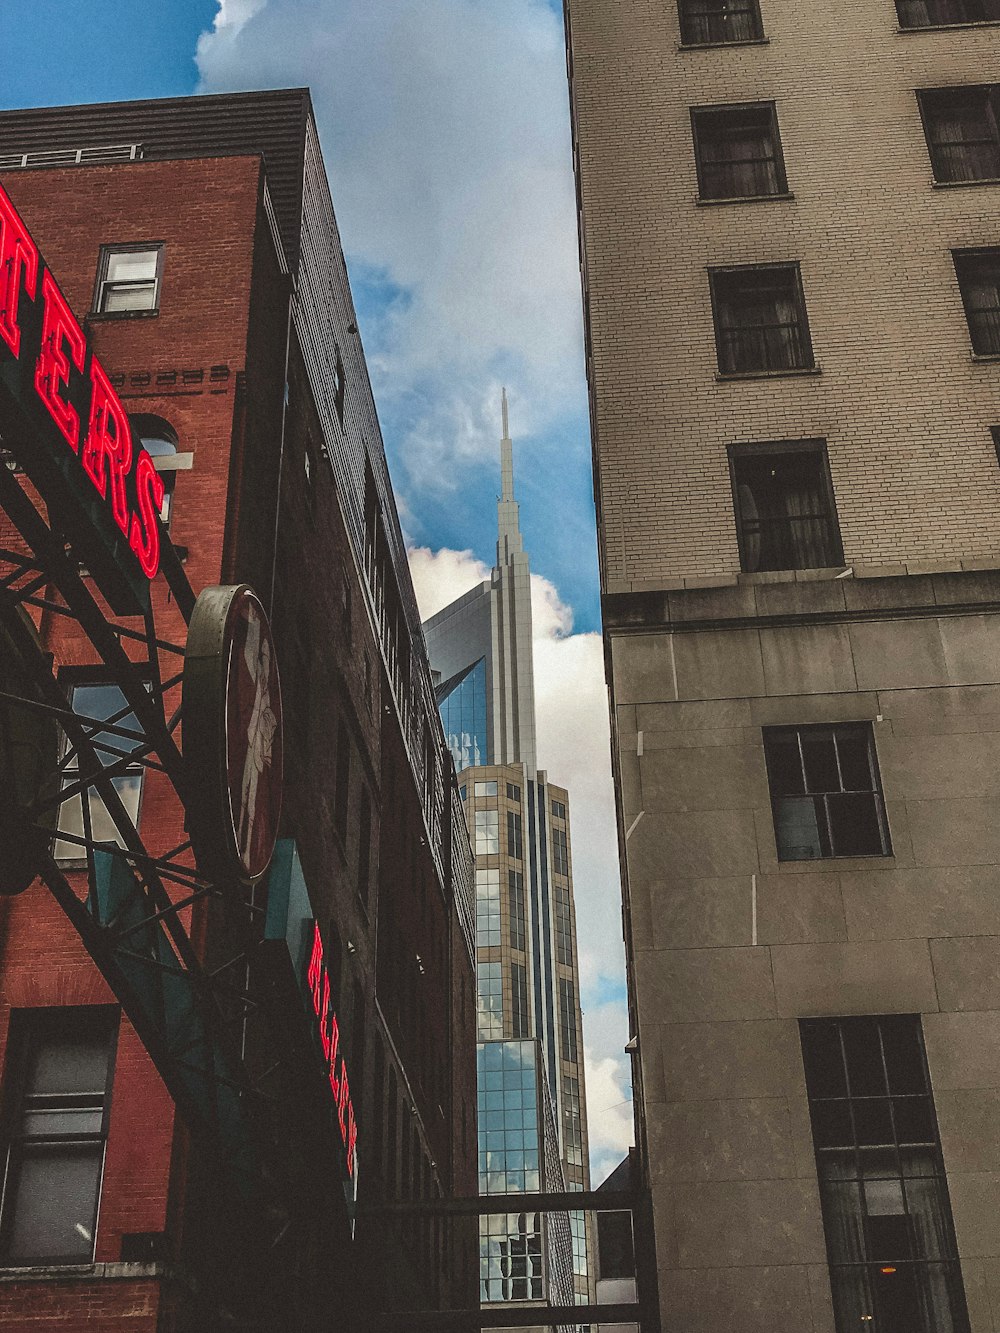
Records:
x=195, y=241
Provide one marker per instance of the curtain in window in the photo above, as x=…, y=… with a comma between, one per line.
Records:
x=760, y=327
x=983, y=304
x=738, y=162
x=719, y=21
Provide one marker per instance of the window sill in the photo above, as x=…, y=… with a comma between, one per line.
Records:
x=714, y=46
x=959, y=185
x=106, y=316
x=725, y=376
x=832, y=864
x=746, y=199
x=986, y=358
x=92, y=1272
x=949, y=27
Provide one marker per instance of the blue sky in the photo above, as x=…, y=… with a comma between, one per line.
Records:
x=445, y=132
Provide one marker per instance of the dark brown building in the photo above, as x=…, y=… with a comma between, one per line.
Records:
x=196, y=242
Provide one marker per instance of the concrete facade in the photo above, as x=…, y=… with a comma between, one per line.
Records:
x=728, y=945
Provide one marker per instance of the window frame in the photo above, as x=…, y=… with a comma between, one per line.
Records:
x=703, y=113
x=939, y=24
x=969, y=255
x=103, y=260
x=926, y=98
x=717, y=272
x=28, y=1027
x=767, y=448
x=885, y=837
x=752, y=7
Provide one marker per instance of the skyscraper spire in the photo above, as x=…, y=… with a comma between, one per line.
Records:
x=509, y=531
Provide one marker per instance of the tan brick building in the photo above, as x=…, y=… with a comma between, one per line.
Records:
x=791, y=252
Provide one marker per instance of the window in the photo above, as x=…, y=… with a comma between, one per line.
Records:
x=518, y=1000
x=515, y=842
x=364, y=847
x=342, y=791
x=564, y=925
x=486, y=789
x=560, y=852
x=825, y=791
x=57, y=1106
x=961, y=129
x=128, y=279
x=785, y=512
x=489, y=985
x=708, y=22
x=979, y=279
x=513, y=792
x=995, y=433
x=572, y=1120
x=946, y=13
x=515, y=898
x=738, y=152
x=558, y=810
x=159, y=439
x=487, y=832
x=889, y=1233
x=615, y=1247
x=86, y=815
x=339, y=386
x=567, y=1019
x=487, y=908
x=760, y=320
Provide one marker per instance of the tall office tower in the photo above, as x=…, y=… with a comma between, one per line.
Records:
x=532, y=1121
x=791, y=257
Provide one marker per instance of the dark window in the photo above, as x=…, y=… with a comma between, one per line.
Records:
x=518, y=1000
x=159, y=439
x=760, y=320
x=128, y=279
x=615, y=1250
x=707, y=22
x=738, y=151
x=339, y=386
x=515, y=897
x=342, y=792
x=558, y=810
x=979, y=279
x=567, y=1019
x=564, y=925
x=560, y=852
x=572, y=1121
x=57, y=1103
x=995, y=432
x=513, y=792
x=86, y=815
x=825, y=791
x=962, y=134
x=364, y=847
x=945, y=13
x=515, y=846
x=392, y=1137
x=889, y=1234
x=785, y=513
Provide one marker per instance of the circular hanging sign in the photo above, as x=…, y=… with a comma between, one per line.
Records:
x=232, y=740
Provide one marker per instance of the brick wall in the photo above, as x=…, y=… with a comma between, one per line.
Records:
x=903, y=407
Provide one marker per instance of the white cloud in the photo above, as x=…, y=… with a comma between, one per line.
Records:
x=446, y=138
x=574, y=747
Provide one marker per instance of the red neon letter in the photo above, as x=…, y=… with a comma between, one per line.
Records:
x=343, y=1102
x=108, y=438
x=315, y=970
x=59, y=332
x=18, y=254
x=145, y=537
x=325, y=1040
x=352, y=1140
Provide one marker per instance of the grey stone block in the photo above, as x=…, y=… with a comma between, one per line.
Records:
x=799, y=909
x=808, y=659
x=687, y=985
x=803, y=709
x=704, y=778
x=969, y=1121
x=733, y=1059
x=963, y=1049
x=747, y=1300
x=694, y=844
x=977, y=1218
x=898, y=654
x=892, y=977
x=900, y=903
x=967, y=972
x=744, y=1139
x=955, y=832
x=701, y=913
x=748, y=1224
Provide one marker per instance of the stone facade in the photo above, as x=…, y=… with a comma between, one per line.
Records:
x=729, y=947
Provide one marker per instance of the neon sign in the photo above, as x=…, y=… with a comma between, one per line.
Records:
x=66, y=426
x=318, y=983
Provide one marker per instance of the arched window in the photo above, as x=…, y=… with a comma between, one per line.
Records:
x=159, y=439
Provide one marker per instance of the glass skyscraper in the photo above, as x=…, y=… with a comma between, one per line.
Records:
x=532, y=1100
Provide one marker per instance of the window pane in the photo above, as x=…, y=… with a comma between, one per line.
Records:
x=855, y=768
x=823, y=1061
x=40, y=1122
x=873, y=1121
x=784, y=764
x=832, y=1124
x=854, y=824
x=864, y=1058
x=800, y=828
x=131, y=265
x=903, y=1056
x=914, y=1120
x=117, y=299
x=68, y=1061
x=54, y=1202
x=820, y=761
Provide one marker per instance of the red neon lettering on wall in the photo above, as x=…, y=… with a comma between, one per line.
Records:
x=107, y=450
x=144, y=538
x=318, y=982
x=314, y=972
x=352, y=1140
x=343, y=1101
x=18, y=260
x=60, y=332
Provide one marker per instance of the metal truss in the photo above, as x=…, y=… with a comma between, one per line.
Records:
x=134, y=916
